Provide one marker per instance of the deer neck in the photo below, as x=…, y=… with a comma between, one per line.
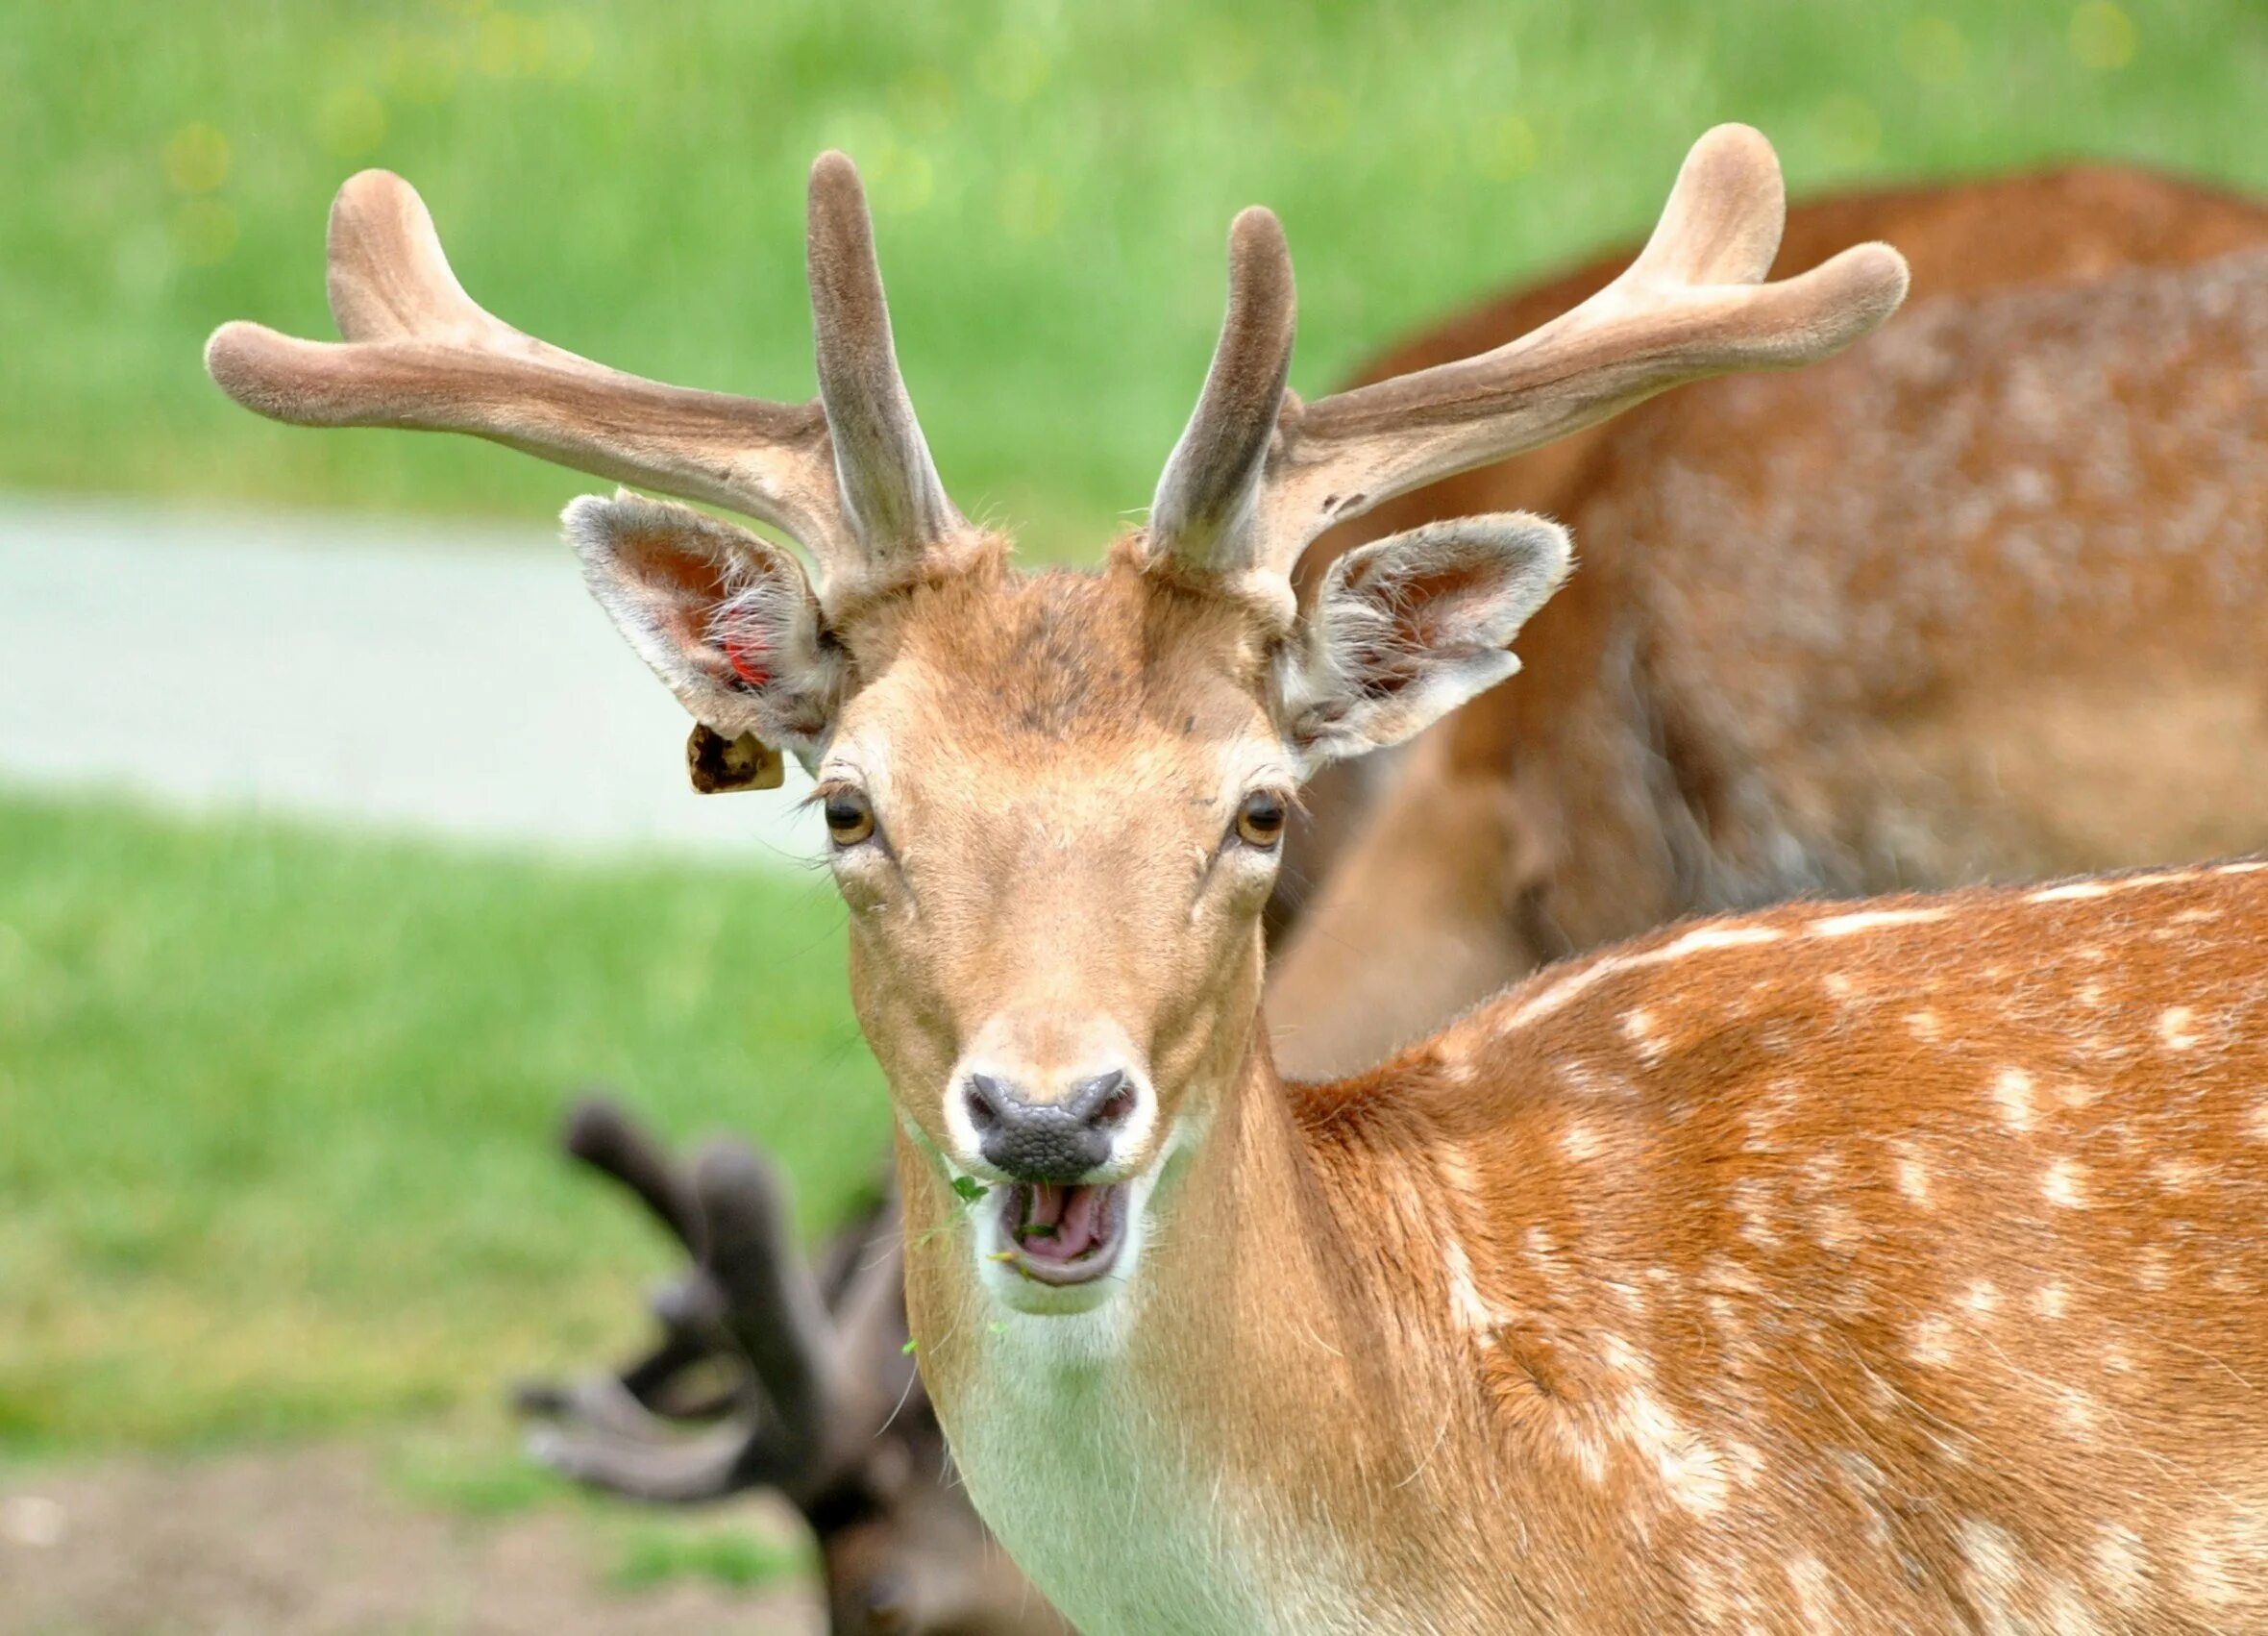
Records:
x=1256, y=1374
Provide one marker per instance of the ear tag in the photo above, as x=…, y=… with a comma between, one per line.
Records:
x=721, y=766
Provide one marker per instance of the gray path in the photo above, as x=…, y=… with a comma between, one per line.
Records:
x=404, y=673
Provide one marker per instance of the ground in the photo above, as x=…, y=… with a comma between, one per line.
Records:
x=316, y=1541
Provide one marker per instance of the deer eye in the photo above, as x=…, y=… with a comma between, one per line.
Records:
x=1260, y=819
x=849, y=819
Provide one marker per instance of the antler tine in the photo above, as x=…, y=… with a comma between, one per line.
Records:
x=609, y=1441
x=773, y=1312
x=421, y=354
x=1690, y=307
x=1724, y=216
x=601, y=1134
x=1204, y=501
x=890, y=489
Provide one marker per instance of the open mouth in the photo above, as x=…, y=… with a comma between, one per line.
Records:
x=1063, y=1234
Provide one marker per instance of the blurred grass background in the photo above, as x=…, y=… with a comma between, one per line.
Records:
x=1052, y=183
x=276, y=1111
x=275, y=1106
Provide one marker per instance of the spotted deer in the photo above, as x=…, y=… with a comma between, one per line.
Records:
x=776, y=1374
x=1979, y=600
x=1890, y=1264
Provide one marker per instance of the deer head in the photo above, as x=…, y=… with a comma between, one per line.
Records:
x=1056, y=802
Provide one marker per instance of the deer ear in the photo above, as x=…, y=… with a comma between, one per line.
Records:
x=1407, y=629
x=728, y=620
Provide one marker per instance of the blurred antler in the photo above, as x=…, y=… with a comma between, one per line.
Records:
x=749, y=1302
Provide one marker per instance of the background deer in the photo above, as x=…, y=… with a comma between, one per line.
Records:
x=1981, y=599
x=773, y=1373
x=1706, y=1282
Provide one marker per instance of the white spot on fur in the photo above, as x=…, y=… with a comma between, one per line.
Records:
x=1752, y=1198
x=2121, y=1566
x=2011, y=1089
x=1581, y=1143
x=1644, y=1033
x=1689, y=1469
x=2153, y=1267
x=1870, y=920
x=2077, y=889
x=1932, y=1343
x=1982, y=1298
x=2051, y=1301
x=1838, y=985
x=1558, y=994
x=2064, y=1182
x=1836, y=1226
x=1473, y=1315
x=1914, y=1175
x=1699, y=940
x=1623, y=1358
x=2173, y=1028
x=2070, y=892
x=1994, y=1573
x=2176, y=1174
x=1925, y=1026
x=1703, y=938
x=1583, y=1445
x=1457, y=1170
x=1747, y=1463
x=1815, y=1592
x=2226, y=1557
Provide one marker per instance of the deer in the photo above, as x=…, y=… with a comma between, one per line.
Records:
x=1822, y=638
x=1889, y=1263
x=1390, y=947
x=775, y=1374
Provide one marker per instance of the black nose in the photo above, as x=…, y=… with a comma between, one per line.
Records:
x=1048, y=1141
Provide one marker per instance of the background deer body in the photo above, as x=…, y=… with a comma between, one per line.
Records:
x=1979, y=600
x=1226, y=1354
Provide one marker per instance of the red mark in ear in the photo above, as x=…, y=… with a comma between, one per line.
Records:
x=747, y=660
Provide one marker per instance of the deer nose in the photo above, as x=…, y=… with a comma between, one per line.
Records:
x=1048, y=1141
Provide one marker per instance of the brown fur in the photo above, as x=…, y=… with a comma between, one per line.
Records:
x=1887, y=1274
x=1979, y=599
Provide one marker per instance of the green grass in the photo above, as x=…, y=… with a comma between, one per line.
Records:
x=277, y=1112
x=1052, y=182
x=651, y=1554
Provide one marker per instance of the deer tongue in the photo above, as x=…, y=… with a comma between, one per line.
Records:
x=1060, y=1223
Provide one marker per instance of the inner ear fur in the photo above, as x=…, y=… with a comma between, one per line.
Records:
x=1405, y=630
x=728, y=620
